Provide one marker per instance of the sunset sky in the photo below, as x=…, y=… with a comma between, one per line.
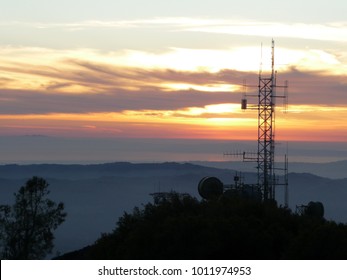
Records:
x=170, y=69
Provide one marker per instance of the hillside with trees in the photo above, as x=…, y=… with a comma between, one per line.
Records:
x=179, y=226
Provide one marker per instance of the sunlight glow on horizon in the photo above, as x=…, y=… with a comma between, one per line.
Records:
x=215, y=121
x=207, y=87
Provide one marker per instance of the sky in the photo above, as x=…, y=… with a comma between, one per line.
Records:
x=170, y=69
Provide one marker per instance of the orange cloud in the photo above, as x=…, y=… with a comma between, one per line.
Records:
x=75, y=96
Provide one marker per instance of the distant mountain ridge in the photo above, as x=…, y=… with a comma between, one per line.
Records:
x=71, y=171
x=333, y=170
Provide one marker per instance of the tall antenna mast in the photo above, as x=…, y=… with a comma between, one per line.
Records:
x=265, y=156
x=266, y=141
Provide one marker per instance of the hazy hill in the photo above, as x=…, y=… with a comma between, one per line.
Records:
x=333, y=170
x=96, y=195
x=124, y=169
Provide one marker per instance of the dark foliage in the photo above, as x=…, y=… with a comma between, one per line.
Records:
x=181, y=227
x=26, y=228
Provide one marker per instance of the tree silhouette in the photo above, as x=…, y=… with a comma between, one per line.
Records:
x=26, y=228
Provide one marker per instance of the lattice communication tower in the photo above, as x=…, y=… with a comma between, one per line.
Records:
x=265, y=157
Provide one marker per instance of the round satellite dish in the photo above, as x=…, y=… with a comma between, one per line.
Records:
x=315, y=209
x=210, y=187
